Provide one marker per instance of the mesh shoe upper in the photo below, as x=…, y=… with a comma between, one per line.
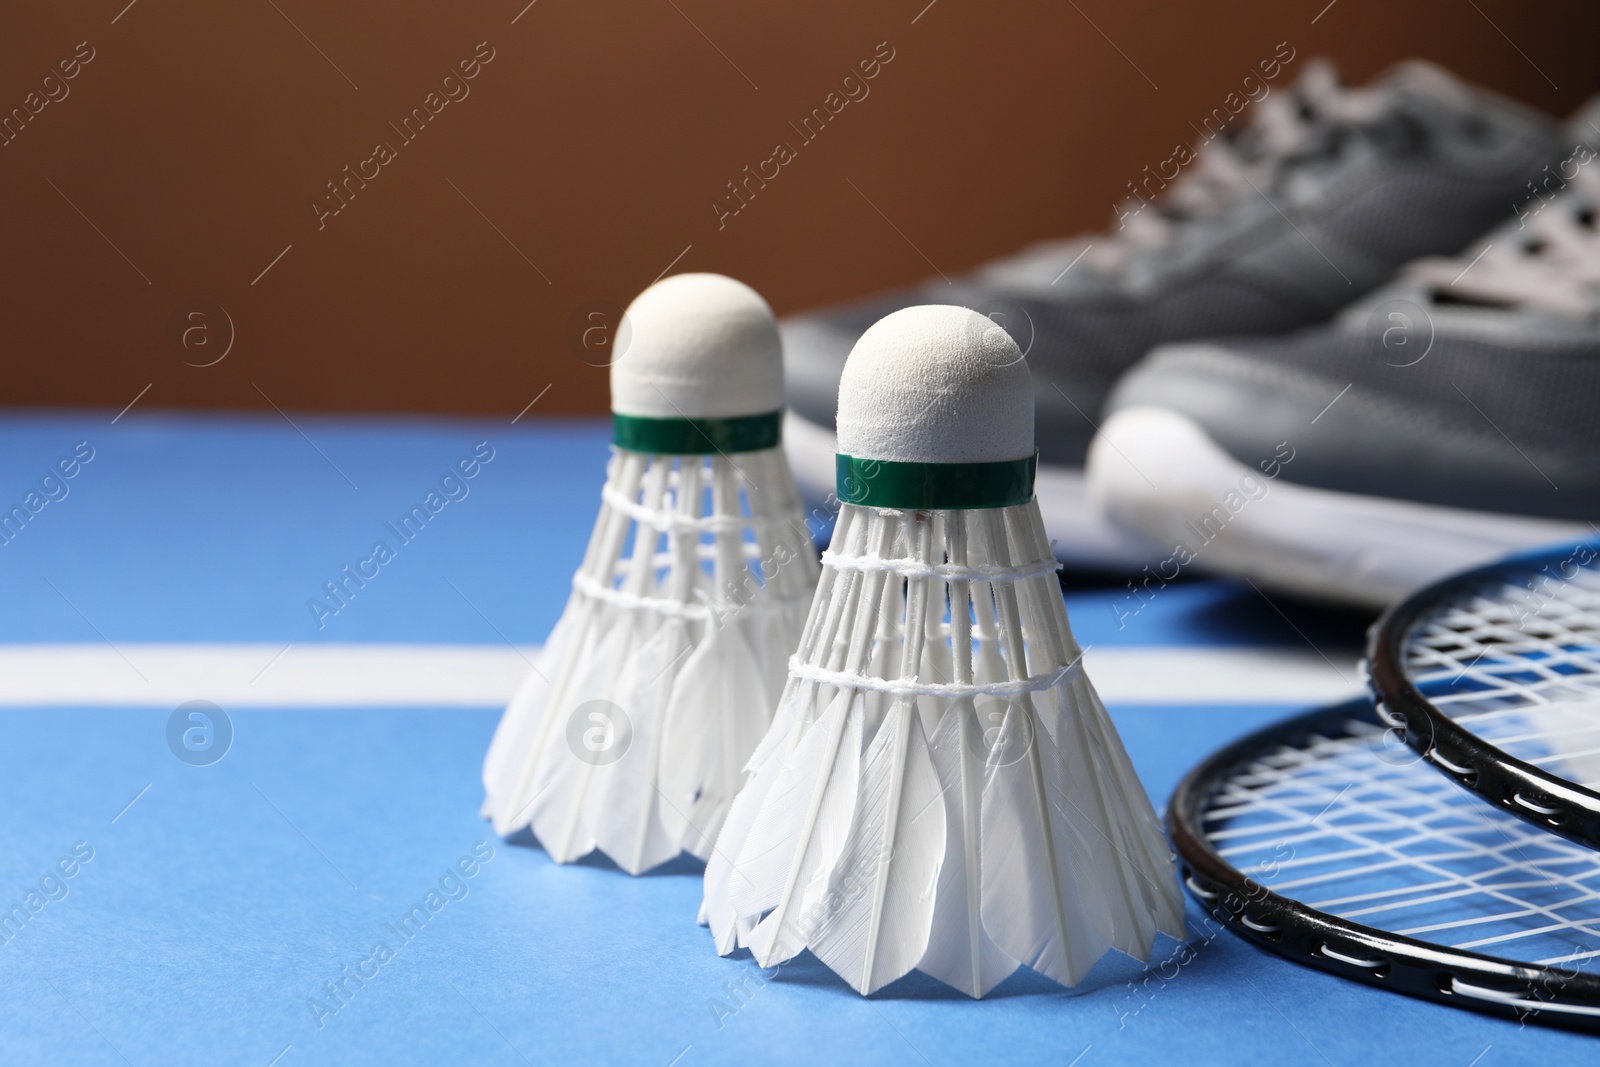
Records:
x=1460, y=428
x=1469, y=383
x=1275, y=226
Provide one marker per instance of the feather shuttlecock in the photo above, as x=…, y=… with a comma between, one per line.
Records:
x=941, y=788
x=632, y=732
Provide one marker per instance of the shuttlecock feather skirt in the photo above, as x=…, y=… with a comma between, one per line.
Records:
x=632, y=730
x=941, y=787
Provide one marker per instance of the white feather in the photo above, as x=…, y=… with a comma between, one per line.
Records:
x=797, y=837
x=559, y=786
x=880, y=902
x=960, y=951
x=717, y=909
x=690, y=597
x=1041, y=901
x=519, y=737
x=717, y=715
x=878, y=911
x=944, y=846
x=625, y=805
x=1149, y=901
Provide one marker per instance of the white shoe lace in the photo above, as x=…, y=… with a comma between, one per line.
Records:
x=1284, y=128
x=1551, y=261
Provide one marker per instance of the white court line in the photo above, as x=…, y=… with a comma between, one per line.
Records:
x=484, y=676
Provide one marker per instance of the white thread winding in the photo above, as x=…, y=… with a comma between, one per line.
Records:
x=589, y=587
x=704, y=552
x=672, y=520
x=911, y=687
x=950, y=572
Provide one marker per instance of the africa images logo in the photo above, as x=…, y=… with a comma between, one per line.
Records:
x=599, y=732
x=199, y=733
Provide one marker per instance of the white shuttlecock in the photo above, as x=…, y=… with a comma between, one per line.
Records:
x=632, y=733
x=941, y=788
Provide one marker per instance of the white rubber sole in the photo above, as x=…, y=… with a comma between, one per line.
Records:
x=1155, y=471
x=1078, y=530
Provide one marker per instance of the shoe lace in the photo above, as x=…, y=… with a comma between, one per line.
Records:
x=1550, y=262
x=1287, y=130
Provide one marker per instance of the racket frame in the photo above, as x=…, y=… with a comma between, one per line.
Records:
x=1301, y=934
x=1530, y=793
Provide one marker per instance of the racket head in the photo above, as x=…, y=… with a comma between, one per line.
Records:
x=1487, y=674
x=1271, y=818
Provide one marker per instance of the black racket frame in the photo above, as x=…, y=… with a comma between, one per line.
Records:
x=1534, y=795
x=1301, y=934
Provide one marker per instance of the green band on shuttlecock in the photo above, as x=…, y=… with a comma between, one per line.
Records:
x=882, y=483
x=696, y=437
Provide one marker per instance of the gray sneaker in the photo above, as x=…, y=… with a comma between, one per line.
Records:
x=1443, y=421
x=1273, y=226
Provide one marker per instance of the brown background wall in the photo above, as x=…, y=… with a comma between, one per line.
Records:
x=188, y=152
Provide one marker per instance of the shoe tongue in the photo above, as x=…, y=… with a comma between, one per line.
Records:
x=1424, y=78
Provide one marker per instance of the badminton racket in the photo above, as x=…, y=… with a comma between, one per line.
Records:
x=1493, y=676
x=1325, y=841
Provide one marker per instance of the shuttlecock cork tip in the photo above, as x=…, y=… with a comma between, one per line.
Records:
x=936, y=384
x=697, y=346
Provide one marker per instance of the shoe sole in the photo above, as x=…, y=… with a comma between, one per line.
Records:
x=1157, y=472
x=1079, y=533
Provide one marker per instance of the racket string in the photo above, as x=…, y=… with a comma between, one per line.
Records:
x=1518, y=664
x=1379, y=839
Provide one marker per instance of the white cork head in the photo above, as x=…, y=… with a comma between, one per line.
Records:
x=936, y=384
x=698, y=346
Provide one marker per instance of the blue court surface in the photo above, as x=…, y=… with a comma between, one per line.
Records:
x=325, y=893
